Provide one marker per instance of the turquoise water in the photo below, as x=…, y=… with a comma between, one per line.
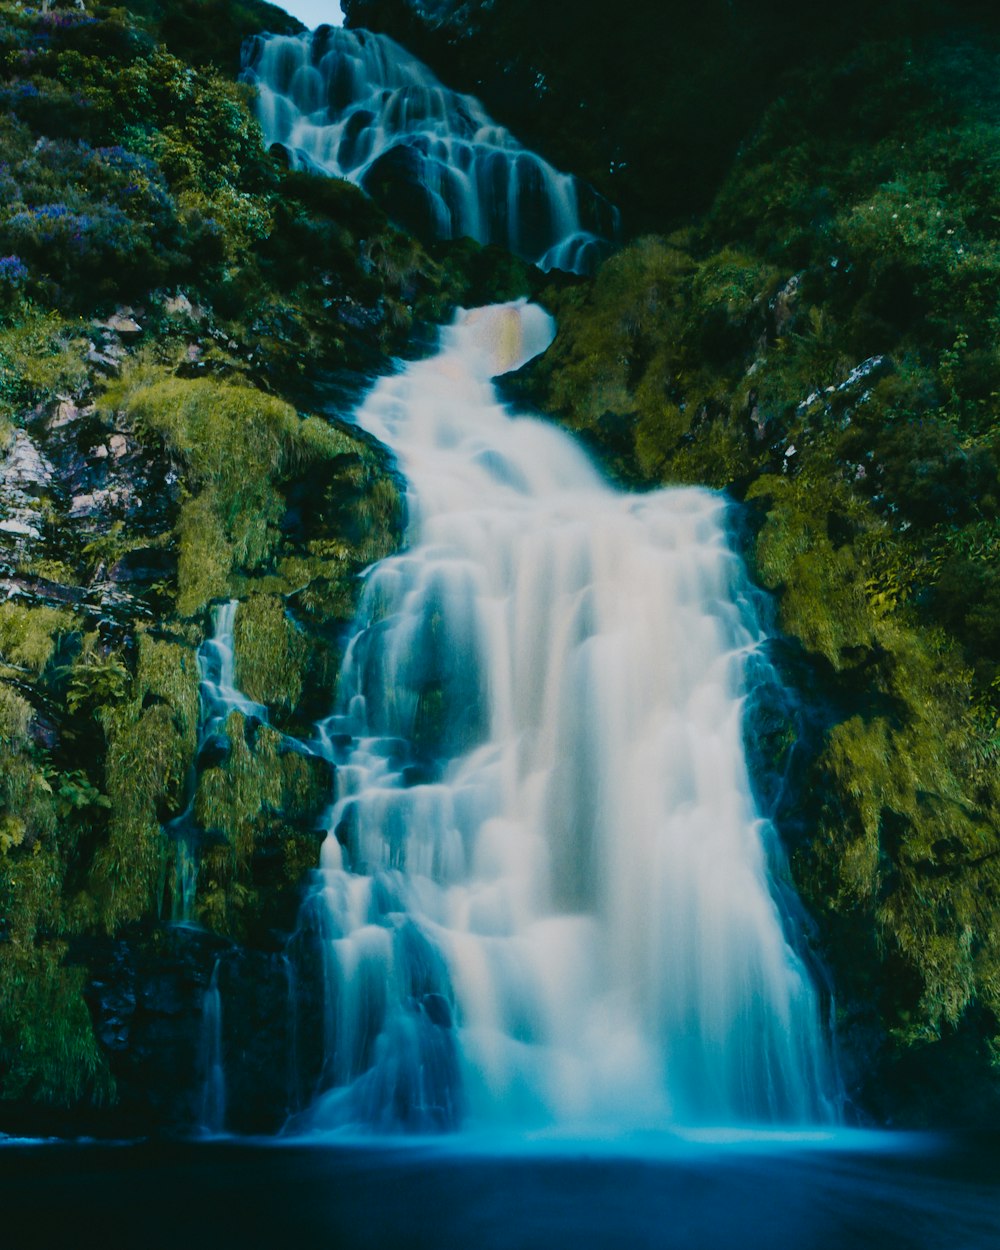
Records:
x=767, y=1192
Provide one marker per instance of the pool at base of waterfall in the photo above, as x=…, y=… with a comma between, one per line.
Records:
x=820, y=1191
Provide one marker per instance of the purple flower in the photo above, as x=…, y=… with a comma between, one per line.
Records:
x=13, y=271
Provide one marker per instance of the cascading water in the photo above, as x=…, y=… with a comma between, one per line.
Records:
x=544, y=896
x=358, y=106
x=217, y=663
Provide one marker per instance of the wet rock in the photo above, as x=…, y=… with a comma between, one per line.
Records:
x=42, y=589
x=44, y=731
x=144, y=565
x=20, y=526
x=117, y=500
x=24, y=474
x=83, y=506
x=104, y=362
x=437, y=1009
x=870, y=369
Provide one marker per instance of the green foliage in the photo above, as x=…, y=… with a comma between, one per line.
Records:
x=97, y=678
x=26, y=814
x=231, y=439
x=28, y=634
x=40, y=357
x=269, y=652
x=132, y=177
x=205, y=555
x=240, y=451
x=255, y=806
x=211, y=31
x=151, y=738
x=48, y=1051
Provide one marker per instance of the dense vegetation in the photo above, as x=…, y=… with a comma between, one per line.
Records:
x=169, y=296
x=814, y=328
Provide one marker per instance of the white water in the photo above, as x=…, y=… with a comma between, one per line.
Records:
x=544, y=897
x=358, y=106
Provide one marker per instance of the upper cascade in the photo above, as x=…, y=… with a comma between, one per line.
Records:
x=358, y=106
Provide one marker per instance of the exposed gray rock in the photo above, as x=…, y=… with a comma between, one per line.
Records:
x=122, y=322
x=112, y=498
x=65, y=413
x=784, y=304
x=180, y=306
x=24, y=466
x=20, y=525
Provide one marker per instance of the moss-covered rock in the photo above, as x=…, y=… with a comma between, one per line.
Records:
x=180, y=317
x=269, y=652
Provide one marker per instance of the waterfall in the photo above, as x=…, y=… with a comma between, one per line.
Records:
x=218, y=696
x=358, y=106
x=217, y=666
x=545, y=894
x=213, y=1096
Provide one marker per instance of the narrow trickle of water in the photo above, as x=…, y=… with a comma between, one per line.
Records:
x=218, y=696
x=217, y=666
x=358, y=106
x=544, y=896
x=213, y=1095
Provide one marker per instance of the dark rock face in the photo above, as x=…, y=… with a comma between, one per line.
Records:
x=148, y=997
x=396, y=180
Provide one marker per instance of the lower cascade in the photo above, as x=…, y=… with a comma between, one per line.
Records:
x=545, y=894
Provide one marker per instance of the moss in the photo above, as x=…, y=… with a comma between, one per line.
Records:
x=379, y=517
x=48, y=1052
x=233, y=803
x=232, y=798
x=241, y=452
x=167, y=673
x=47, y=1046
x=28, y=634
x=269, y=652
x=15, y=717
x=27, y=814
x=305, y=790
x=259, y=810
x=823, y=600
x=41, y=356
x=233, y=440
x=204, y=556
x=151, y=737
